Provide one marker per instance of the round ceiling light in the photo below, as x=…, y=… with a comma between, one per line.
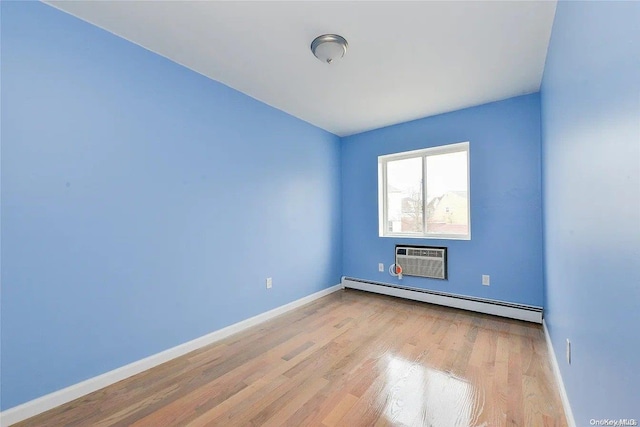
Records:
x=329, y=47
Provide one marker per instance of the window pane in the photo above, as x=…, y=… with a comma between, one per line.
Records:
x=404, y=196
x=447, y=194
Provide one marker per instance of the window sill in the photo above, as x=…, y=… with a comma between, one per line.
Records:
x=421, y=236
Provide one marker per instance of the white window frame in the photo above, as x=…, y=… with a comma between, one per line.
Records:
x=423, y=153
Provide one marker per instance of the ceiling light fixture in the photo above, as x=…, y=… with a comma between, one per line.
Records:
x=329, y=47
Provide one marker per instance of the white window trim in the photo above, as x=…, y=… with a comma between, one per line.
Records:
x=382, y=190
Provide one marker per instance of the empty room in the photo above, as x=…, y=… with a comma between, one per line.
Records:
x=320, y=213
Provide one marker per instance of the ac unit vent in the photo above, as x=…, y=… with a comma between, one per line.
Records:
x=422, y=261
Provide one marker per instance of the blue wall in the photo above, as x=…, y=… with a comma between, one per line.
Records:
x=591, y=158
x=143, y=205
x=506, y=215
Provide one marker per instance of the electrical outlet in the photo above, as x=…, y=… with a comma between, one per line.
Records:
x=381, y=268
x=486, y=280
x=568, y=351
x=269, y=282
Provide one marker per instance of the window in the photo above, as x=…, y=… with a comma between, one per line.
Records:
x=425, y=193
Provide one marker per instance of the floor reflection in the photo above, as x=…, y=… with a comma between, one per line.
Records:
x=421, y=396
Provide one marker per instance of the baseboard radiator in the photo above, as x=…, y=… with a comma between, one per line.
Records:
x=499, y=308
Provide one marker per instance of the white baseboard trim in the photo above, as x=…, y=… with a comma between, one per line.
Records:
x=67, y=394
x=571, y=422
x=480, y=305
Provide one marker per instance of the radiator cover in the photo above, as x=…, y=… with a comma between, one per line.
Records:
x=528, y=313
x=422, y=261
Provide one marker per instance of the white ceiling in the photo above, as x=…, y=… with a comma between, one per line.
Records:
x=406, y=60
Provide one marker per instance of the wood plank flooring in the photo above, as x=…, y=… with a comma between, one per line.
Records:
x=349, y=359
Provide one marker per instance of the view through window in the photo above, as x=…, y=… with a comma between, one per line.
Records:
x=425, y=193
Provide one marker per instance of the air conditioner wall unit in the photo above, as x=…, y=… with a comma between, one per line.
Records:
x=422, y=261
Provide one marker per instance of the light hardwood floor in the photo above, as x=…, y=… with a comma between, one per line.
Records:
x=349, y=359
